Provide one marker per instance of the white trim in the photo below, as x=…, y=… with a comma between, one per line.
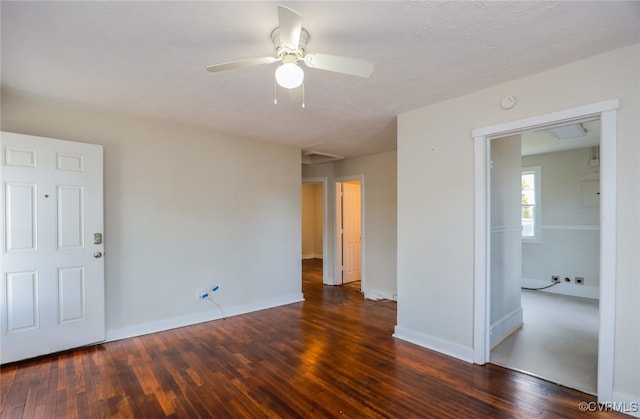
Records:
x=608, y=254
x=371, y=294
x=575, y=227
x=506, y=229
x=311, y=256
x=626, y=403
x=606, y=111
x=481, y=268
x=338, y=261
x=327, y=272
x=213, y=314
x=505, y=326
x=455, y=350
x=547, y=120
x=362, y=231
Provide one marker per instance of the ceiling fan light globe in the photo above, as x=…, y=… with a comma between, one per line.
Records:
x=289, y=75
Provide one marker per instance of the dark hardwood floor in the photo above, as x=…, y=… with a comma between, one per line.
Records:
x=332, y=355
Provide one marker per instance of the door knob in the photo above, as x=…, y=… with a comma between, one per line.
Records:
x=97, y=255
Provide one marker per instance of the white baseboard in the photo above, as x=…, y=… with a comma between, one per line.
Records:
x=312, y=256
x=505, y=326
x=626, y=404
x=585, y=291
x=455, y=350
x=373, y=294
x=195, y=318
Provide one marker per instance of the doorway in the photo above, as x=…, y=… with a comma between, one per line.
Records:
x=606, y=111
x=542, y=185
x=315, y=238
x=349, y=231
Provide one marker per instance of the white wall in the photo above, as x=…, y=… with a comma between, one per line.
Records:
x=312, y=220
x=184, y=209
x=379, y=234
x=380, y=226
x=506, y=237
x=570, y=234
x=436, y=202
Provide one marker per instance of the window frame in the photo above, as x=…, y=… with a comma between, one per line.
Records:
x=537, y=213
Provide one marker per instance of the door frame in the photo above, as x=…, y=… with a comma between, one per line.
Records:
x=337, y=246
x=327, y=277
x=606, y=111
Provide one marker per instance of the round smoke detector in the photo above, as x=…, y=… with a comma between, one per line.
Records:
x=508, y=102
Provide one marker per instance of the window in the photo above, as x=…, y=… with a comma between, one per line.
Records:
x=531, y=203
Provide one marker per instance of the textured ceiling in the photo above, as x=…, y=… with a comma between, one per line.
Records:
x=149, y=58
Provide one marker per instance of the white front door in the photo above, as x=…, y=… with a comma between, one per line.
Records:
x=351, y=224
x=52, y=291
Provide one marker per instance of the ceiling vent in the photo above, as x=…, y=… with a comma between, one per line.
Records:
x=317, y=157
x=568, y=131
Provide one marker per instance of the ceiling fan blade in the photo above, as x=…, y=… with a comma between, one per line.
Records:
x=241, y=63
x=290, y=27
x=339, y=64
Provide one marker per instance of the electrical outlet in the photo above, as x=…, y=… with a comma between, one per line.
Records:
x=579, y=280
x=555, y=278
x=203, y=294
x=567, y=279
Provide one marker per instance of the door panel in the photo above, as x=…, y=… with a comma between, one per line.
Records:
x=20, y=212
x=70, y=216
x=22, y=301
x=351, y=213
x=72, y=297
x=52, y=291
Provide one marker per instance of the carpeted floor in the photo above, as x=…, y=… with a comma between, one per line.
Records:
x=558, y=342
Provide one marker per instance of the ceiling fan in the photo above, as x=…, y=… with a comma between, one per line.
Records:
x=290, y=42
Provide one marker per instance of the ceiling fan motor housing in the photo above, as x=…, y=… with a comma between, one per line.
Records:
x=281, y=50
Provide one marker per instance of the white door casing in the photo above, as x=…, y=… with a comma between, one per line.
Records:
x=52, y=291
x=606, y=112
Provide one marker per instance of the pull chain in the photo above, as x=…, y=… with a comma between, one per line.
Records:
x=303, y=95
x=275, y=92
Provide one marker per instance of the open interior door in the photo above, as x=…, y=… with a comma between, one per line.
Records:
x=351, y=225
x=52, y=291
